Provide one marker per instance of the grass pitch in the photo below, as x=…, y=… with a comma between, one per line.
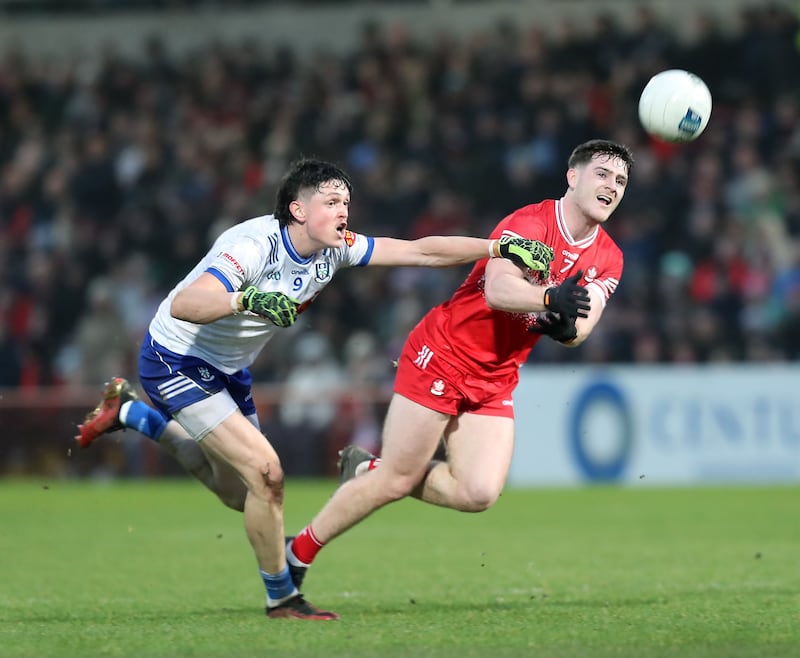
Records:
x=151, y=569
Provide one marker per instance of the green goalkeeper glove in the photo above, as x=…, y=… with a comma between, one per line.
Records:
x=532, y=254
x=278, y=308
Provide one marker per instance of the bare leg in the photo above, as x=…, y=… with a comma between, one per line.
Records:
x=479, y=451
x=411, y=435
x=237, y=443
x=215, y=475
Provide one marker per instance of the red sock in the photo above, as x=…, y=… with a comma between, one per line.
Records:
x=306, y=545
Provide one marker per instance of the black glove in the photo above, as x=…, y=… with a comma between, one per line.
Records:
x=568, y=299
x=278, y=308
x=532, y=254
x=559, y=327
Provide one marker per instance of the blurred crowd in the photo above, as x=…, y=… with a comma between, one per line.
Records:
x=116, y=173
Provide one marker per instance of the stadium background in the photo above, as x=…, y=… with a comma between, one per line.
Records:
x=131, y=133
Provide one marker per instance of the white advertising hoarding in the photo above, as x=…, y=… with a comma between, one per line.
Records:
x=657, y=425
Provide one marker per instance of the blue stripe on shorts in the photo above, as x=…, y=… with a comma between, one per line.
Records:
x=174, y=381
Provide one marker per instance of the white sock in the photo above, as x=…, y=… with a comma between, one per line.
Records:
x=363, y=467
x=123, y=411
x=292, y=559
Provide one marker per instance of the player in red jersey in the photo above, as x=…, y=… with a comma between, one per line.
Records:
x=460, y=364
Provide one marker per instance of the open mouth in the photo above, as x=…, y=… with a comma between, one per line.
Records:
x=605, y=199
x=341, y=229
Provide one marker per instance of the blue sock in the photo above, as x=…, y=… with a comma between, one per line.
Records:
x=279, y=585
x=143, y=418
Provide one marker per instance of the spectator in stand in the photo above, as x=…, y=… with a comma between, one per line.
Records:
x=149, y=153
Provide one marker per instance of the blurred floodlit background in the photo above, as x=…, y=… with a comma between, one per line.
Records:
x=133, y=132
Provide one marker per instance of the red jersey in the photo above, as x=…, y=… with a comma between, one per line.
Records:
x=489, y=342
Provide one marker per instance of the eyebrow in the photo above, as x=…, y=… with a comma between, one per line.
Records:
x=607, y=170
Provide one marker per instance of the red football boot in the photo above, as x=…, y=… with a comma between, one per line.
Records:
x=298, y=608
x=105, y=416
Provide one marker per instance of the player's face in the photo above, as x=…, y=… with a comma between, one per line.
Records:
x=599, y=186
x=326, y=211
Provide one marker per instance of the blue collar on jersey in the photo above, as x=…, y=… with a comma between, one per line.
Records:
x=287, y=243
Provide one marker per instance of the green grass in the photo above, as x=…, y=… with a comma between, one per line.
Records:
x=161, y=569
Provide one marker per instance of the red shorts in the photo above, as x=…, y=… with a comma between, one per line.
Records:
x=427, y=376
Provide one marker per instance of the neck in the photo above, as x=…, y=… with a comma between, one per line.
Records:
x=302, y=243
x=578, y=223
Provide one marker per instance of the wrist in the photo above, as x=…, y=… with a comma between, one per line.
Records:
x=494, y=249
x=235, y=300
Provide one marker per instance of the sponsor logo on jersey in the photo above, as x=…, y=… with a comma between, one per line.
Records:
x=205, y=375
x=323, y=272
x=424, y=357
x=233, y=262
x=437, y=387
x=349, y=238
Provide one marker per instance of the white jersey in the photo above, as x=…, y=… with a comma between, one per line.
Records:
x=257, y=252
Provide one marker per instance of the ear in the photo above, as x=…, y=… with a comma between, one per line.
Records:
x=572, y=178
x=298, y=210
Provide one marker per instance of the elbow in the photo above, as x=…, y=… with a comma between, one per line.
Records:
x=496, y=293
x=583, y=334
x=575, y=342
x=177, y=309
x=494, y=306
x=493, y=300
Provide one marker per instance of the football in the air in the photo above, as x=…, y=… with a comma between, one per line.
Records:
x=675, y=106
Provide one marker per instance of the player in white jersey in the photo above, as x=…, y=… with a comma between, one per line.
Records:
x=257, y=252
x=194, y=359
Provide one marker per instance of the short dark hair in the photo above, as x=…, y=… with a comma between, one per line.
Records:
x=583, y=153
x=305, y=174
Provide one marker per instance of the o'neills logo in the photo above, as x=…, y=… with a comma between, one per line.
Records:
x=349, y=238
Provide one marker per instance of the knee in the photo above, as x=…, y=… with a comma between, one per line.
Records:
x=398, y=486
x=266, y=480
x=477, y=499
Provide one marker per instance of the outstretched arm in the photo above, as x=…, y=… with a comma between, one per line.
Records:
x=442, y=251
x=431, y=251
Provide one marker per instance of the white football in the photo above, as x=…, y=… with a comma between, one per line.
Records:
x=675, y=106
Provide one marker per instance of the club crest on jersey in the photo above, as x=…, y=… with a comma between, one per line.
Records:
x=591, y=274
x=437, y=387
x=205, y=375
x=349, y=238
x=322, y=272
